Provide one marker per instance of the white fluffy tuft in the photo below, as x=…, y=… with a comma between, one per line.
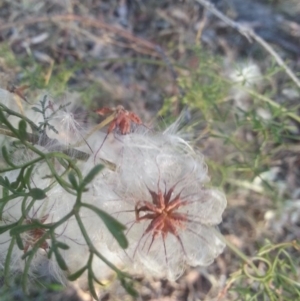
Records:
x=140, y=166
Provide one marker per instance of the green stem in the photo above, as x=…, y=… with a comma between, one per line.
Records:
x=70, y=161
x=33, y=126
x=12, y=242
x=61, y=221
x=277, y=246
x=7, y=261
x=29, y=259
x=66, y=186
x=22, y=166
x=91, y=246
x=233, y=248
x=35, y=139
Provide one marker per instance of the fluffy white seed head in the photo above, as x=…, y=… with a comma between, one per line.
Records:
x=153, y=165
x=154, y=183
x=245, y=75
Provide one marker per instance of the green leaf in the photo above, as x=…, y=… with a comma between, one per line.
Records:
x=61, y=262
x=4, y=120
x=4, y=200
x=6, y=156
x=129, y=287
x=14, y=185
x=2, y=117
x=73, y=180
x=96, y=280
x=77, y=274
x=18, y=229
x=114, y=226
x=19, y=242
x=28, y=253
x=20, y=179
x=5, y=192
x=62, y=245
x=7, y=227
x=43, y=102
x=50, y=253
x=22, y=130
x=4, y=182
x=37, y=110
x=27, y=177
x=37, y=194
x=91, y=283
x=91, y=175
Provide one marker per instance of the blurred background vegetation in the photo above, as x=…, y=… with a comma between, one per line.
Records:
x=241, y=110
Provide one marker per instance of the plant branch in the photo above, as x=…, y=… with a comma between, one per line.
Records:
x=87, y=21
x=35, y=139
x=250, y=35
x=33, y=126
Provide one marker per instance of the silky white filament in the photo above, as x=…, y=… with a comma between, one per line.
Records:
x=152, y=171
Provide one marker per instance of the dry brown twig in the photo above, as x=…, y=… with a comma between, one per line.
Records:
x=137, y=44
x=250, y=35
x=133, y=46
x=87, y=21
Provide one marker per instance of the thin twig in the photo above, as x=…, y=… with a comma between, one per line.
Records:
x=96, y=128
x=250, y=35
x=170, y=66
x=87, y=21
x=138, y=44
x=97, y=39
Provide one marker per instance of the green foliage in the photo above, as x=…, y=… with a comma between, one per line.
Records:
x=74, y=184
x=8, y=56
x=245, y=145
x=271, y=275
x=219, y=119
x=41, y=292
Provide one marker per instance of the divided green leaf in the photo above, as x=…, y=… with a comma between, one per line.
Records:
x=22, y=130
x=92, y=174
x=114, y=226
x=37, y=194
